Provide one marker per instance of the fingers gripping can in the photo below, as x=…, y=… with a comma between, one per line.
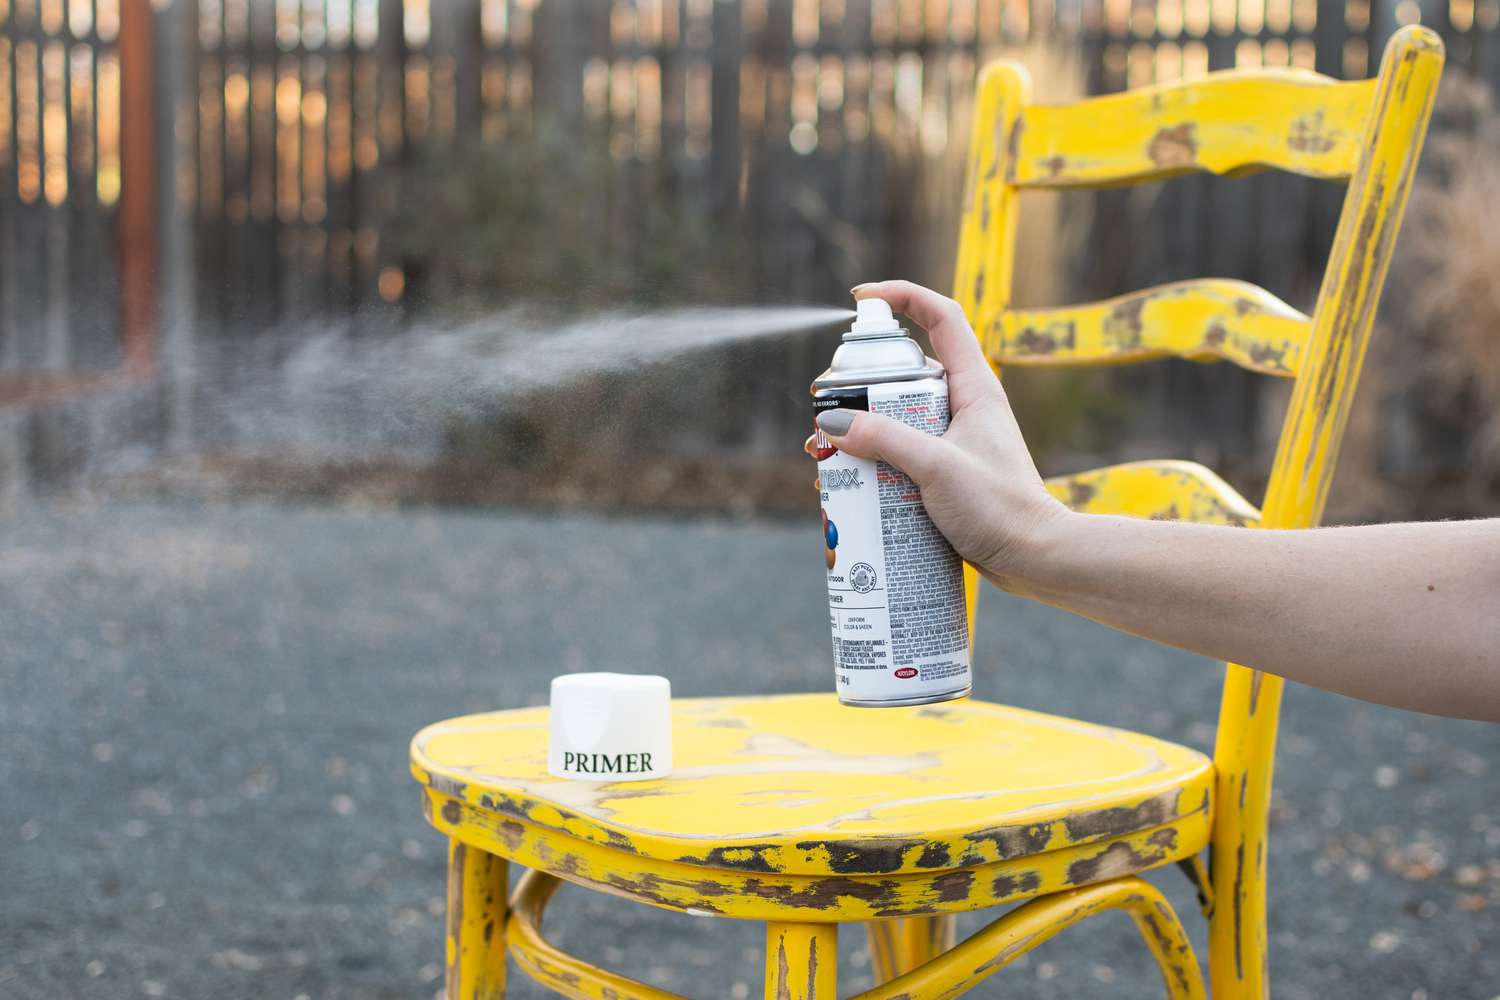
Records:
x=895, y=586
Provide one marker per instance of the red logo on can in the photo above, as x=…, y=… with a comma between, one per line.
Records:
x=906, y=672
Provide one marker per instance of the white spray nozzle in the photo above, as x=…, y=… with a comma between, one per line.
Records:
x=874, y=316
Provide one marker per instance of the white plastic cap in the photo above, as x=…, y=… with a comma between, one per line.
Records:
x=874, y=316
x=611, y=727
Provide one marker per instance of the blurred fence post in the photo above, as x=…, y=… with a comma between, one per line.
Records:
x=138, y=222
x=176, y=39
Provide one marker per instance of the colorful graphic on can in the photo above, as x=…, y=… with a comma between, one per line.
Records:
x=896, y=604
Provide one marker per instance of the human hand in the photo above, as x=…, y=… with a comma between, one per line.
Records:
x=978, y=482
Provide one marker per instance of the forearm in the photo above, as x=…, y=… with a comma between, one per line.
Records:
x=1404, y=614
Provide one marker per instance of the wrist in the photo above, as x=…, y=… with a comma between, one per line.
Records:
x=1040, y=543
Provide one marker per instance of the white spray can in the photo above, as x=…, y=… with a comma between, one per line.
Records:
x=895, y=586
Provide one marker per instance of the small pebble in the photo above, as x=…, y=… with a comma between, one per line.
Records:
x=1469, y=876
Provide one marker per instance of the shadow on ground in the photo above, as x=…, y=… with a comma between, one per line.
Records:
x=204, y=715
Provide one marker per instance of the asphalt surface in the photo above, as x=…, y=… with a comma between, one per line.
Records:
x=204, y=716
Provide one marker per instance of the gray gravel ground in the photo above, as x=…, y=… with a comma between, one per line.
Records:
x=204, y=715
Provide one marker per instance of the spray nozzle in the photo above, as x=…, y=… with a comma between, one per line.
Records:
x=872, y=317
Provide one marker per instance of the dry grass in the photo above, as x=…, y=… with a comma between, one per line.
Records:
x=1424, y=440
x=1453, y=238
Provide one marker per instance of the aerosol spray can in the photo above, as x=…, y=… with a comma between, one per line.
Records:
x=895, y=586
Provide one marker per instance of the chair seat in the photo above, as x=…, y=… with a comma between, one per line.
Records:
x=802, y=785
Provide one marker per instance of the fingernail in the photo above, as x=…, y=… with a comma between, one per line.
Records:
x=856, y=288
x=835, y=422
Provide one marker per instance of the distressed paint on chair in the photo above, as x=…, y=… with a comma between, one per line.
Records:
x=1009, y=937
x=815, y=821
x=1001, y=804
x=1201, y=320
x=1226, y=123
x=1369, y=131
x=1301, y=475
x=987, y=230
x=478, y=893
x=554, y=968
x=1163, y=490
x=694, y=889
x=990, y=783
x=802, y=961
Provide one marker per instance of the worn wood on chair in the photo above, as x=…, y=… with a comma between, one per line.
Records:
x=1203, y=320
x=564, y=974
x=801, y=785
x=478, y=891
x=1161, y=490
x=1370, y=132
x=1301, y=475
x=796, y=811
x=1019, y=931
x=802, y=961
x=1231, y=122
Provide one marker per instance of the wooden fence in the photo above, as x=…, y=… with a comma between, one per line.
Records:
x=824, y=135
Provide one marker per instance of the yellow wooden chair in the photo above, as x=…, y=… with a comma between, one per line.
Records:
x=804, y=814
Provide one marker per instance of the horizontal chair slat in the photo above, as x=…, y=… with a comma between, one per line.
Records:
x=1160, y=490
x=1202, y=320
x=1225, y=123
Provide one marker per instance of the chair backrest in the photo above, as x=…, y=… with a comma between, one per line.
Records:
x=1367, y=132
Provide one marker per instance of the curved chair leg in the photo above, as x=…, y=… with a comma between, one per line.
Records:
x=898, y=946
x=802, y=961
x=477, y=889
x=557, y=970
x=1022, y=929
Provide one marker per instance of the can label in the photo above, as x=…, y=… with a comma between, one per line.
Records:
x=895, y=586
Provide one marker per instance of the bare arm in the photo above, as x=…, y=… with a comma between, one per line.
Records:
x=1402, y=614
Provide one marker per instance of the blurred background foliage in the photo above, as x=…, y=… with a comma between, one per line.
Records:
x=1426, y=437
x=480, y=225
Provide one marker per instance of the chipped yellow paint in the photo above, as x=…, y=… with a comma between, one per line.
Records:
x=477, y=894
x=1226, y=123
x=1200, y=320
x=802, y=961
x=556, y=969
x=987, y=230
x=802, y=784
x=694, y=888
x=1022, y=929
x=1301, y=474
x=1370, y=132
x=1163, y=490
